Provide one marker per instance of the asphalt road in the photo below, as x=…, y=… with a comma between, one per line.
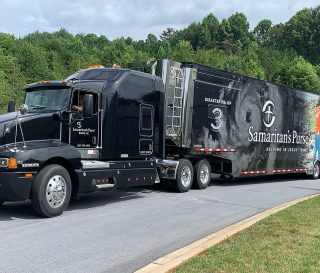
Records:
x=125, y=230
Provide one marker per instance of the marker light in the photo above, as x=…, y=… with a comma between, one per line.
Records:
x=96, y=66
x=42, y=82
x=12, y=164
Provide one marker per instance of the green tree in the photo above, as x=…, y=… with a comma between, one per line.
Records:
x=152, y=44
x=301, y=74
x=225, y=36
x=298, y=32
x=33, y=61
x=212, y=57
x=318, y=70
x=315, y=36
x=262, y=32
x=167, y=34
x=5, y=94
x=7, y=43
x=277, y=33
x=164, y=50
x=183, y=52
x=118, y=52
x=239, y=27
x=191, y=34
x=208, y=37
x=11, y=80
x=273, y=61
x=286, y=53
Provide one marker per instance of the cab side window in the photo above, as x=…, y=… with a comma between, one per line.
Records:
x=146, y=120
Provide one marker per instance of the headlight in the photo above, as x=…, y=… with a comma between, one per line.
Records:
x=10, y=163
x=4, y=162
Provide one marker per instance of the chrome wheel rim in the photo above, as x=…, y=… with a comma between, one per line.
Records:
x=204, y=174
x=56, y=191
x=186, y=176
x=316, y=170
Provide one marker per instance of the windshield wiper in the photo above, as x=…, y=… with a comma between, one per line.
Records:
x=37, y=107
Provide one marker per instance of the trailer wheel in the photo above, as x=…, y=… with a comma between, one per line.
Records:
x=51, y=191
x=202, y=174
x=316, y=171
x=184, y=178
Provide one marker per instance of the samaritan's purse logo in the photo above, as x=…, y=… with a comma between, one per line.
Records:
x=274, y=136
x=269, y=118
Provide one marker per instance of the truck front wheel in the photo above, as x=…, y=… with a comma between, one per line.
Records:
x=184, y=178
x=202, y=174
x=51, y=191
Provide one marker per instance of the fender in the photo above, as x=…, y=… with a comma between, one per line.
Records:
x=36, y=153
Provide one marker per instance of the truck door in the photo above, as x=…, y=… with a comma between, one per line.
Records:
x=84, y=131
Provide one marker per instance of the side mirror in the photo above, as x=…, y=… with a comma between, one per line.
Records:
x=88, y=105
x=11, y=106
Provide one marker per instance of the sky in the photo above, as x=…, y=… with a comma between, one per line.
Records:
x=134, y=18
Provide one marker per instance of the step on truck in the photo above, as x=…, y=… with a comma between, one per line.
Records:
x=109, y=128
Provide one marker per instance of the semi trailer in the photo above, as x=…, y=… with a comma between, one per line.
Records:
x=109, y=128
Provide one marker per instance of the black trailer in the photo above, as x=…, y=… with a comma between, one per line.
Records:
x=105, y=128
x=242, y=126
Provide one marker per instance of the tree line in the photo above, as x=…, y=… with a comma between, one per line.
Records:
x=286, y=53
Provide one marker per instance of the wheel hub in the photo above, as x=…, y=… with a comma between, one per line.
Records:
x=204, y=174
x=186, y=176
x=56, y=191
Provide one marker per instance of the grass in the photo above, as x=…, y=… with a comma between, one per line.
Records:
x=288, y=241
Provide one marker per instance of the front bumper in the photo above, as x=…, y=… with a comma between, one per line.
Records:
x=14, y=186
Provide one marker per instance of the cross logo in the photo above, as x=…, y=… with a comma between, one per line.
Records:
x=269, y=118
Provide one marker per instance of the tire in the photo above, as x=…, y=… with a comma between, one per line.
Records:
x=1, y=202
x=51, y=191
x=202, y=174
x=316, y=170
x=184, y=179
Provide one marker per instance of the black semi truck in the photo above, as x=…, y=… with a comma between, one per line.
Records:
x=109, y=128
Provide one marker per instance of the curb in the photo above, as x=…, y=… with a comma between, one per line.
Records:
x=174, y=259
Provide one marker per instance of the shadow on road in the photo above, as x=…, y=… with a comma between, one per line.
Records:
x=258, y=180
x=17, y=210
x=23, y=210
x=102, y=198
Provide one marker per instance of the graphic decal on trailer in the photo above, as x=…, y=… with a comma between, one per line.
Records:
x=272, y=128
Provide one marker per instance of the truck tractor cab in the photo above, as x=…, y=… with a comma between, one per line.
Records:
x=98, y=129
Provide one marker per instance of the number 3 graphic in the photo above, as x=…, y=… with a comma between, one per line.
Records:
x=218, y=116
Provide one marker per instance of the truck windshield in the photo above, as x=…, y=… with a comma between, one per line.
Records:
x=47, y=99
